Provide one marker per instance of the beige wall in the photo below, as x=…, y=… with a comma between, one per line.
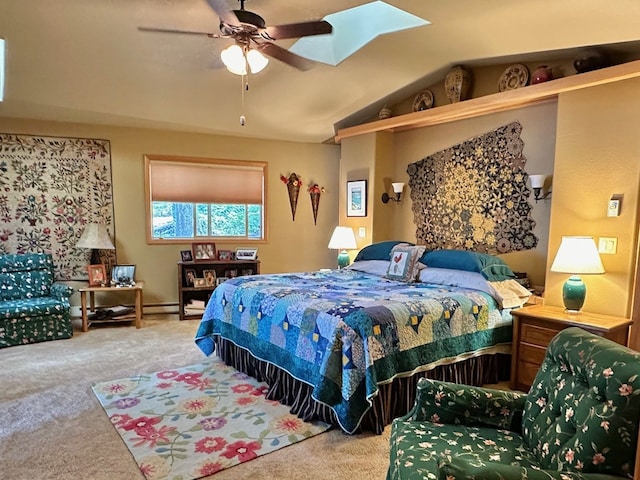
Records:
x=395, y=220
x=292, y=246
x=597, y=156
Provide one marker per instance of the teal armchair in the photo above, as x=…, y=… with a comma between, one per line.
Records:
x=578, y=421
x=33, y=307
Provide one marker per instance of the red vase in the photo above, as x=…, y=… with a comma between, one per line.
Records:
x=541, y=74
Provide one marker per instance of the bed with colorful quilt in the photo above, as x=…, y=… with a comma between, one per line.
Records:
x=347, y=346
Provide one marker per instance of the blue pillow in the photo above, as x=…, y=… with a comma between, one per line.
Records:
x=378, y=251
x=492, y=268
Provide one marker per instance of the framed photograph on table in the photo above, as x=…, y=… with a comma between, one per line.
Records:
x=357, y=198
x=97, y=275
x=203, y=251
x=123, y=275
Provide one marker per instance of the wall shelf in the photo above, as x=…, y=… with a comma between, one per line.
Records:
x=496, y=102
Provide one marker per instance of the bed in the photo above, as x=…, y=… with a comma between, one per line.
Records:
x=347, y=346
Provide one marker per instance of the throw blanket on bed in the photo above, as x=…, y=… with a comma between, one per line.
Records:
x=344, y=332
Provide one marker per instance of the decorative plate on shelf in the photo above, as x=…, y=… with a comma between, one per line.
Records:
x=513, y=77
x=423, y=101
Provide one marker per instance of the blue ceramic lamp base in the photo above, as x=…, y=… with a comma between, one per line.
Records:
x=343, y=259
x=574, y=292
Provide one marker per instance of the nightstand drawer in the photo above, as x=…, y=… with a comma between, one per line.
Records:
x=537, y=335
x=526, y=374
x=532, y=353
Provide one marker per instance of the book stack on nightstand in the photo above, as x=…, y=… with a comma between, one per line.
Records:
x=535, y=325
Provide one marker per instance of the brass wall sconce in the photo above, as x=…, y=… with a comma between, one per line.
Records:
x=397, y=189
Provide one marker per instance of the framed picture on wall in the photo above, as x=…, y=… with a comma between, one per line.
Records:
x=357, y=198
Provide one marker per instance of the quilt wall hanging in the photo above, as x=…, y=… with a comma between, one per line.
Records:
x=474, y=196
x=50, y=188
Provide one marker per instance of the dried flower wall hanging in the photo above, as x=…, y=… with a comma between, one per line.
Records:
x=293, y=183
x=314, y=193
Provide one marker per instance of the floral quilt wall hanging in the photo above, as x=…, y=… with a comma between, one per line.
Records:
x=474, y=195
x=50, y=188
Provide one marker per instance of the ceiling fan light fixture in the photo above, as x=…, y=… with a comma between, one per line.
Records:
x=235, y=59
x=257, y=61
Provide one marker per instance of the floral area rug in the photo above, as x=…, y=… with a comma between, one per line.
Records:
x=195, y=421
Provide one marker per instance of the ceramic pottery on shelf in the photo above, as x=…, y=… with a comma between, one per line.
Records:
x=457, y=84
x=541, y=74
x=591, y=60
x=385, y=113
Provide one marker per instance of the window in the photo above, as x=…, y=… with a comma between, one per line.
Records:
x=202, y=199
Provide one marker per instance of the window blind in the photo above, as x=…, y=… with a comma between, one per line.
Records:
x=207, y=181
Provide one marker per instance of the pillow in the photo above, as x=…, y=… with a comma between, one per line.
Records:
x=456, y=278
x=374, y=267
x=491, y=267
x=403, y=265
x=378, y=251
x=510, y=293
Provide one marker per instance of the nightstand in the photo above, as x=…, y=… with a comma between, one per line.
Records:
x=534, y=327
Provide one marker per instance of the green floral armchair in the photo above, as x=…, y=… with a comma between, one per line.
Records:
x=33, y=308
x=578, y=421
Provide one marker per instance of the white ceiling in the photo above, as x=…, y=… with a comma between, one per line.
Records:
x=86, y=61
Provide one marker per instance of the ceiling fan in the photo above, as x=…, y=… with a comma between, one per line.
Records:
x=251, y=34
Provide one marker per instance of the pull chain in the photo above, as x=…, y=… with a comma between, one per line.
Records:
x=245, y=87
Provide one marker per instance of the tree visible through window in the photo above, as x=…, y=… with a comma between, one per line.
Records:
x=193, y=198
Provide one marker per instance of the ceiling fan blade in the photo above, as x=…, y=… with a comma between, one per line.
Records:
x=172, y=30
x=295, y=30
x=285, y=56
x=224, y=12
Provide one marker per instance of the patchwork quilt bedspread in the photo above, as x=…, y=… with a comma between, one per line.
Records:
x=345, y=332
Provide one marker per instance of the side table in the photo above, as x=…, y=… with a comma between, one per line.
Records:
x=534, y=326
x=137, y=289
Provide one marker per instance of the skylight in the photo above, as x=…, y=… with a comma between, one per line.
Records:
x=1, y=69
x=353, y=29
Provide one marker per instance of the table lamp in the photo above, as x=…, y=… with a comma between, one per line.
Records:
x=96, y=238
x=343, y=239
x=577, y=256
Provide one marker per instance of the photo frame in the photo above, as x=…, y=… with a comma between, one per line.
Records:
x=189, y=276
x=199, y=282
x=97, y=275
x=221, y=280
x=210, y=277
x=123, y=275
x=186, y=255
x=225, y=255
x=357, y=198
x=203, y=251
x=246, y=253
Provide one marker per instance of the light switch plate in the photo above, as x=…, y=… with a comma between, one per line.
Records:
x=607, y=245
x=362, y=232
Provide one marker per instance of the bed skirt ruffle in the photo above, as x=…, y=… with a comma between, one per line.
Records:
x=393, y=400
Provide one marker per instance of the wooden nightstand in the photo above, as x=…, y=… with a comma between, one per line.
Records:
x=534, y=327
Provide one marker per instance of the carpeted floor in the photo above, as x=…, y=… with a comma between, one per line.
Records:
x=52, y=426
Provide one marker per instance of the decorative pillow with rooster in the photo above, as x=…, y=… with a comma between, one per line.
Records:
x=403, y=265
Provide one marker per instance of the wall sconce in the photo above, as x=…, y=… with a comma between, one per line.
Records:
x=537, y=183
x=397, y=189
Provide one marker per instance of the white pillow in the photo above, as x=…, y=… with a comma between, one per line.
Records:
x=374, y=267
x=456, y=278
